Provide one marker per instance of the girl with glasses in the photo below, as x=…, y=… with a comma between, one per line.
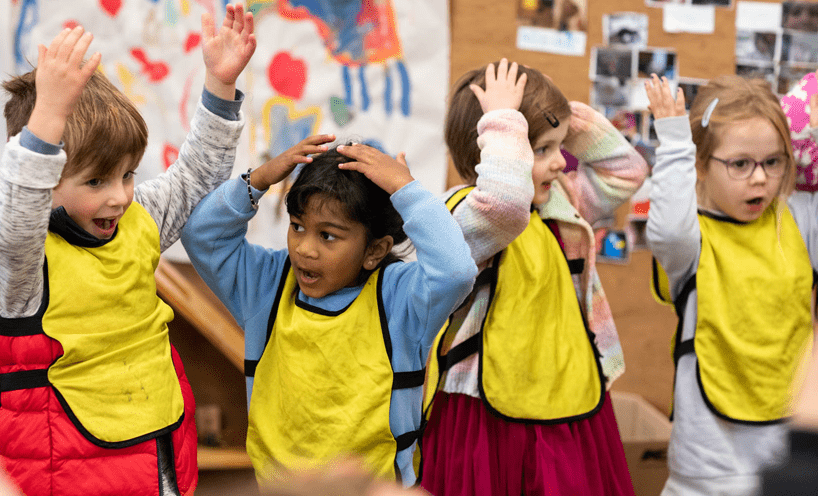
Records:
x=736, y=252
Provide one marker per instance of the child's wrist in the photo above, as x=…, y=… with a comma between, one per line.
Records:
x=220, y=89
x=46, y=125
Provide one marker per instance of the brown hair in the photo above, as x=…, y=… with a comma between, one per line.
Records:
x=104, y=127
x=739, y=99
x=541, y=97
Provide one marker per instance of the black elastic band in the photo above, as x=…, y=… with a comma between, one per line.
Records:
x=683, y=348
x=24, y=379
x=250, y=368
x=576, y=266
x=460, y=352
x=406, y=439
x=407, y=380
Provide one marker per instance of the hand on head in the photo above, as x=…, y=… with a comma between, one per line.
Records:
x=503, y=89
x=227, y=51
x=388, y=173
x=662, y=103
x=61, y=77
x=276, y=169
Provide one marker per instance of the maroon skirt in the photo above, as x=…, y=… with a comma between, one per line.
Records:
x=468, y=451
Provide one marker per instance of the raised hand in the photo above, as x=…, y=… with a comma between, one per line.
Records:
x=388, y=173
x=276, y=169
x=503, y=89
x=662, y=103
x=61, y=77
x=227, y=51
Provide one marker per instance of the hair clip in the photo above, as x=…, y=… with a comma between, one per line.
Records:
x=552, y=119
x=708, y=112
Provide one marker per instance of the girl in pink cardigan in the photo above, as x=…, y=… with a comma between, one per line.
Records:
x=517, y=396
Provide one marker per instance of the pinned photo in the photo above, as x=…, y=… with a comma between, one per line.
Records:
x=658, y=61
x=612, y=62
x=625, y=28
x=800, y=16
x=755, y=47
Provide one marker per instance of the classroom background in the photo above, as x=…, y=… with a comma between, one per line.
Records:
x=378, y=72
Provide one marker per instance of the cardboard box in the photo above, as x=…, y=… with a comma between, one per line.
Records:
x=645, y=433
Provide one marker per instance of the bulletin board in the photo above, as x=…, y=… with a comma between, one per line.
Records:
x=483, y=31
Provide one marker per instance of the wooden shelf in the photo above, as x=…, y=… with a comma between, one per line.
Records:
x=187, y=294
x=223, y=458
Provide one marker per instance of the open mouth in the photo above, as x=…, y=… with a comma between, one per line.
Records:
x=755, y=201
x=307, y=276
x=105, y=225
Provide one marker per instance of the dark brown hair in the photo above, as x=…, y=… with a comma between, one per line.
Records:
x=542, y=101
x=103, y=128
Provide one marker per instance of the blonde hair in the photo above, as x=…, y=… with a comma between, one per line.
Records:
x=542, y=101
x=739, y=99
x=103, y=128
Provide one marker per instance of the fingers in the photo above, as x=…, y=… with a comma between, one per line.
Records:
x=512, y=72
x=478, y=91
x=402, y=158
x=91, y=65
x=360, y=153
x=80, y=48
x=229, y=16
x=520, y=84
x=680, y=101
x=57, y=41
x=65, y=49
x=208, y=27
x=502, y=70
x=238, y=18
x=249, y=24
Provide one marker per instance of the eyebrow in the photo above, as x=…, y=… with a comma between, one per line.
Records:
x=324, y=225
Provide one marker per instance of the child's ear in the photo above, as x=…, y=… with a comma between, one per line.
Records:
x=376, y=251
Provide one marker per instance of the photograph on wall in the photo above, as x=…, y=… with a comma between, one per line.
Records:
x=657, y=61
x=612, y=62
x=714, y=3
x=610, y=92
x=800, y=16
x=625, y=28
x=690, y=88
x=553, y=26
x=799, y=48
x=752, y=47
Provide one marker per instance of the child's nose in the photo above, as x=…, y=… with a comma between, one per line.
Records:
x=306, y=249
x=759, y=174
x=118, y=195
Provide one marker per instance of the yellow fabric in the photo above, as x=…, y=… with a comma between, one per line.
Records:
x=116, y=375
x=538, y=362
x=659, y=284
x=323, y=388
x=431, y=383
x=753, y=290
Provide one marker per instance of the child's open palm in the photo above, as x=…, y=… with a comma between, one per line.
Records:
x=228, y=51
x=60, y=80
x=503, y=89
x=662, y=103
x=276, y=169
x=388, y=173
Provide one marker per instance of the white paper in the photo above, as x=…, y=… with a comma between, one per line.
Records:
x=758, y=16
x=689, y=18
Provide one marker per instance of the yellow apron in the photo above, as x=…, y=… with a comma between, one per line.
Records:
x=538, y=362
x=323, y=386
x=753, y=290
x=116, y=378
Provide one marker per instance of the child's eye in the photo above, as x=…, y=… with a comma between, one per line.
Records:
x=741, y=163
x=327, y=236
x=94, y=182
x=773, y=162
x=296, y=227
x=129, y=175
x=541, y=151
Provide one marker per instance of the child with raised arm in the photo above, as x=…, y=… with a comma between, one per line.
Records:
x=93, y=398
x=521, y=403
x=336, y=328
x=739, y=252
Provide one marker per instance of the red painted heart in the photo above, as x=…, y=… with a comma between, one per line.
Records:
x=111, y=7
x=169, y=155
x=156, y=71
x=287, y=75
x=192, y=41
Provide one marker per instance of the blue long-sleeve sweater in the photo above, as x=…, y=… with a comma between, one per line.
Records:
x=418, y=296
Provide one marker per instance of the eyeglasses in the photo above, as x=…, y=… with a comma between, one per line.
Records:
x=742, y=168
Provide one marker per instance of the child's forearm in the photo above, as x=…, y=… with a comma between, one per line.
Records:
x=26, y=181
x=673, y=226
x=205, y=160
x=499, y=207
x=611, y=170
